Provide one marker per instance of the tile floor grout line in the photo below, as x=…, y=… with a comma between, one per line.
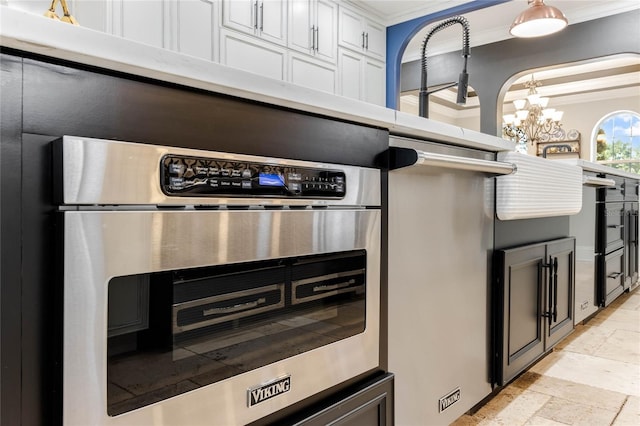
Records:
x=620, y=410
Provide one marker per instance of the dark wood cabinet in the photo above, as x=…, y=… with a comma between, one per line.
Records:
x=534, y=303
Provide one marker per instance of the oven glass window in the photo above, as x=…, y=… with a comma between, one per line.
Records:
x=172, y=332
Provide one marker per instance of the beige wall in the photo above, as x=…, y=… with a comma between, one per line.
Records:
x=585, y=116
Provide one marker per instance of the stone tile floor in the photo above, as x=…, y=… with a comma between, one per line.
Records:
x=592, y=378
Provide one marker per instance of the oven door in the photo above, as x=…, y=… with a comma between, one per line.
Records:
x=214, y=317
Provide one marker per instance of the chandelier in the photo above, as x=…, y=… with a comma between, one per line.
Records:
x=535, y=123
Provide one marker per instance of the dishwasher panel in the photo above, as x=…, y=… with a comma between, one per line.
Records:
x=440, y=239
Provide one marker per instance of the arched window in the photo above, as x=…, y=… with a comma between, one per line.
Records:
x=616, y=141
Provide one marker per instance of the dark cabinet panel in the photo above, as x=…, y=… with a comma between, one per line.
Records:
x=613, y=276
x=523, y=339
x=534, y=295
x=614, y=222
x=631, y=244
x=110, y=107
x=370, y=406
x=616, y=239
x=10, y=257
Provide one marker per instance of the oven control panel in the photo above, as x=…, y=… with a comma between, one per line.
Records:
x=193, y=176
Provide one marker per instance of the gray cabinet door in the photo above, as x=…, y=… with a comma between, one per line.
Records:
x=561, y=290
x=535, y=303
x=522, y=331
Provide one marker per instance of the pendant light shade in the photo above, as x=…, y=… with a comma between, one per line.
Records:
x=538, y=20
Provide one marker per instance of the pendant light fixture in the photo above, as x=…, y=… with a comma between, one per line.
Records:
x=538, y=20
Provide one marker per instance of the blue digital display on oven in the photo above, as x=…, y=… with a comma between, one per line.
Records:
x=270, y=179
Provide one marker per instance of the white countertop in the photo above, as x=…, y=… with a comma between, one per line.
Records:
x=36, y=34
x=599, y=168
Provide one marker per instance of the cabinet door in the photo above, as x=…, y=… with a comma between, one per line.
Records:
x=196, y=30
x=374, y=82
x=521, y=333
x=141, y=21
x=272, y=19
x=92, y=14
x=309, y=72
x=351, y=31
x=375, y=39
x=300, y=25
x=612, y=284
x=241, y=15
x=350, y=72
x=250, y=54
x=327, y=31
x=561, y=295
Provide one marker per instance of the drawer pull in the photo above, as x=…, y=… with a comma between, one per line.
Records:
x=344, y=284
x=615, y=226
x=615, y=275
x=234, y=308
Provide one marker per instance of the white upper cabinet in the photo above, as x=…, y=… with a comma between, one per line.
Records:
x=361, y=77
x=309, y=72
x=313, y=27
x=186, y=26
x=141, y=21
x=266, y=19
x=251, y=54
x=375, y=39
x=374, y=84
x=196, y=29
x=361, y=33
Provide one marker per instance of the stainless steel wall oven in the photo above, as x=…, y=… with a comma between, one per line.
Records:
x=211, y=288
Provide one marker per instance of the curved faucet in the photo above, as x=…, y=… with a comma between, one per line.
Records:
x=463, y=79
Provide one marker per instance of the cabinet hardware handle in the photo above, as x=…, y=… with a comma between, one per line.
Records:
x=255, y=15
x=313, y=38
x=261, y=16
x=555, y=289
x=615, y=226
x=548, y=313
x=615, y=275
x=363, y=39
x=317, y=43
x=366, y=37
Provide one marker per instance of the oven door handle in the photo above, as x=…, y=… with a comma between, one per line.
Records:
x=406, y=157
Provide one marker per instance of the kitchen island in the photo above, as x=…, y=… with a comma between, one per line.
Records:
x=58, y=79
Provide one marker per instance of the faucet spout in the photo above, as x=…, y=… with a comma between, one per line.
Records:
x=463, y=79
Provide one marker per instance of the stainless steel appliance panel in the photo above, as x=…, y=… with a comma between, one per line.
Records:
x=104, y=172
x=99, y=245
x=583, y=227
x=440, y=246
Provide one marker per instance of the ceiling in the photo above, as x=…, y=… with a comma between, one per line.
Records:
x=488, y=25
